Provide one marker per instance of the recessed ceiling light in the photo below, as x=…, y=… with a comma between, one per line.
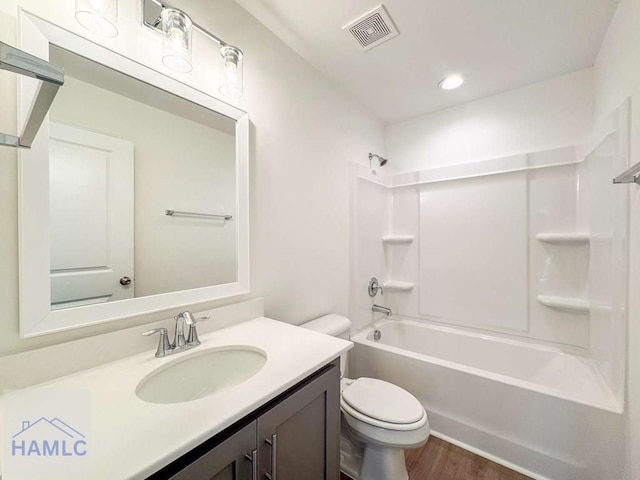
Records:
x=451, y=82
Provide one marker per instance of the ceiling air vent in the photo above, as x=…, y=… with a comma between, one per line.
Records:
x=372, y=28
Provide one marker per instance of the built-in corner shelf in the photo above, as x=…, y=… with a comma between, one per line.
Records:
x=574, y=238
x=565, y=303
x=395, y=286
x=397, y=239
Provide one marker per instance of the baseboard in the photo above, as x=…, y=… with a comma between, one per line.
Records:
x=523, y=458
x=489, y=456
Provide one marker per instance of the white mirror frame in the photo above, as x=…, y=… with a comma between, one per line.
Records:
x=36, y=316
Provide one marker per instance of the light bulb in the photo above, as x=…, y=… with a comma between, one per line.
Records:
x=176, y=34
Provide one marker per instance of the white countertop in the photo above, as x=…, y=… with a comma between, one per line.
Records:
x=131, y=439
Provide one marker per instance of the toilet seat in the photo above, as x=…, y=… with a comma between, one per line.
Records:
x=382, y=404
x=399, y=427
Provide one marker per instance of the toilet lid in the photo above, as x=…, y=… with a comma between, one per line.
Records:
x=383, y=401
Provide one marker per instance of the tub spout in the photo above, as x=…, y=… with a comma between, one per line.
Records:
x=381, y=309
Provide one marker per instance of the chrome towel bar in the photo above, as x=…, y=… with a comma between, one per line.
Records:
x=176, y=213
x=51, y=77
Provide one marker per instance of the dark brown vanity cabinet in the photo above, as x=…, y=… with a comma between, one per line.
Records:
x=296, y=436
x=299, y=437
x=230, y=460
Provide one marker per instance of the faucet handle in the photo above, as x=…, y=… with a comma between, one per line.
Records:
x=189, y=318
x=374, y=286
x=192, y=333
x=164, y=347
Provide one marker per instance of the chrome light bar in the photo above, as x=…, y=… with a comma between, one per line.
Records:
x=151, y=10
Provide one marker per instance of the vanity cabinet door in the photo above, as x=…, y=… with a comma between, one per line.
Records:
x=299, y=437
x=230, y=460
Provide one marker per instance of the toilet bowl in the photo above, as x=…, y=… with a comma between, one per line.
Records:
x=380, y=416
x=387, y=420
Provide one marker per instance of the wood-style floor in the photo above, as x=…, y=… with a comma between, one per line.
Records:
x=439, y=460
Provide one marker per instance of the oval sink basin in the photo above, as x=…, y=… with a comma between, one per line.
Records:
x=201, y=374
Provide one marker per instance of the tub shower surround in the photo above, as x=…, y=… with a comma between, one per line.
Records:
x=513, y=272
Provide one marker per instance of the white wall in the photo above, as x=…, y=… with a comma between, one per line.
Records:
x=546, y=115
x=617, y=76
x=303, y=134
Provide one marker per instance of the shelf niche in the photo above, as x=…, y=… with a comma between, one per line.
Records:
x=565, y=303
x=397, y=239
x=395, y=286
x=564, y=238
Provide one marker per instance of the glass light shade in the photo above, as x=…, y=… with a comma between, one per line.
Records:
x=176, y=45
x=98, y=16
x=231, y=75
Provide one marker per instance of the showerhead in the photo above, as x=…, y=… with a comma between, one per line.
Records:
x=381, y=161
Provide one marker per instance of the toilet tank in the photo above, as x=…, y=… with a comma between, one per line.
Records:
x=334, y=325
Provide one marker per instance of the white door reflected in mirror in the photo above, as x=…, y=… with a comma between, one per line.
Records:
x=91, y=208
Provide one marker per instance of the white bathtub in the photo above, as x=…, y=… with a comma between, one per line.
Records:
x=531, y=407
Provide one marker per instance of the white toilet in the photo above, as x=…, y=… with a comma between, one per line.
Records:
x=381, y=417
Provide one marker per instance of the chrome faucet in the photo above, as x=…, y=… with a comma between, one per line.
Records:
x=178, y=335
x=179, y=342
x=381, y=309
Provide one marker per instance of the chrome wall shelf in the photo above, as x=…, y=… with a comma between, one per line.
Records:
x=51, y=79
x=630, y=176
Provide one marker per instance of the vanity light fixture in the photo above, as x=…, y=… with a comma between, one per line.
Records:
x=98, y=16
x=451, y=82
x=176, y=27
x=231, y=76
x=176, y=44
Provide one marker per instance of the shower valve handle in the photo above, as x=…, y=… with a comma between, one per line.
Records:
x=374, y=286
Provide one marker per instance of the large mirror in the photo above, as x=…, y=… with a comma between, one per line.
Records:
x=142, y=189
x=137, y=185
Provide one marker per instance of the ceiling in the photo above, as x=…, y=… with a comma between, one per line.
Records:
x=497, y=45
